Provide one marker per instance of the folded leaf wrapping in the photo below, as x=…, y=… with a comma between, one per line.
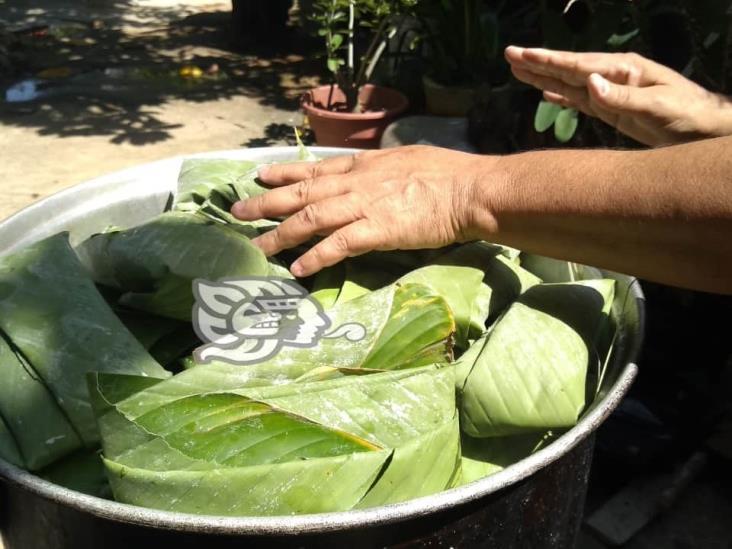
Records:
x=342, y=424
x=60, y=328
x=528, y=373
x=477, y=280
x=405, y=325
x=354, y=441
x=9, y=450
x=155, y=263
x=23, y=398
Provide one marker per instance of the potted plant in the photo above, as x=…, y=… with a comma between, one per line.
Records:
x=350, y=111
x=462, y=52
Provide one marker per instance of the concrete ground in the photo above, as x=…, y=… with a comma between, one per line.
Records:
x=121, y=87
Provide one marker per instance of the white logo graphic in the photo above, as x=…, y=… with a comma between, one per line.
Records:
x=248, y=320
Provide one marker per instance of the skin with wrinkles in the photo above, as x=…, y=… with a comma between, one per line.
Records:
x=643, y=99
x=662, y=214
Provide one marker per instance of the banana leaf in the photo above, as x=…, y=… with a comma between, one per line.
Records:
x=24, y=399
x=277, y=269
x=148, y=329
x=504, y=279
x=221, y=181
x=209, y=187
x=82, y=471
x=529, y=372
x=423, y=466
x=403, y=325
x=9, y=450
x=313, y=486
x=355, y=277
x=419, y=330
x=53, y=315
x=478, y=281
x=155, y=263
x=460, y=287
x=358, y=440
x=484, y=456
x=174, y=346
x=327, y=284
x=166, y=340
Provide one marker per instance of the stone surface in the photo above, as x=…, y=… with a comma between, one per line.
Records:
x=441, y=131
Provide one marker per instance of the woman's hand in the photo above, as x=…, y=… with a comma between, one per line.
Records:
x=643, y=99
x=403, y=198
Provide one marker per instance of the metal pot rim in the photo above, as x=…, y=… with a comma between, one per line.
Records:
x=324, y=522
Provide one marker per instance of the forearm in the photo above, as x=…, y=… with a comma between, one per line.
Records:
x=719, y=120
x=664, y=214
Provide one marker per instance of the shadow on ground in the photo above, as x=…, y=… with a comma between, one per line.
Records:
x=107, y=73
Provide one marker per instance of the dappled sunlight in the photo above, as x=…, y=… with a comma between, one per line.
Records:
x=109, y=69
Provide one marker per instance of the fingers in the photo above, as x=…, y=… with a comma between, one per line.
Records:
x=574, y=68
x=559, y=99
x=354, y=239
x=285, y=174
x=618, y=98
x=315, y=218
x=291, y=198
x=574, y=96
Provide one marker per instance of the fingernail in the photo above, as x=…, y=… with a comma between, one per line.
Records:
x=297, y=269
x=602, y=85
x=516, y=50
x=262, y=172
x=238, y=207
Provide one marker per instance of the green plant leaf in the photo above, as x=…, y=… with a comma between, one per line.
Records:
x=54, y=316
x=38, y=443
x=303, y=153
x=327, y=284
x=275, y=449
x=565, y=125
x=530, y=370
x=459, y=286
x=418, y=331
x=336, y=41
x=155, y=263
x=333, y=64
x=404, y=326
x=619, y=40
x=83, y=472
x=423, y=466
x=503, y=279
x=9, y=450
x=210, y=186
x=476, y=280
x=484, y=456
x=546, y=115
x=147, y=328
x=227, y=180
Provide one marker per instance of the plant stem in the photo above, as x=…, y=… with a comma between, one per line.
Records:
x=360, y=80
x=379, y=51
x=351, y=22
x=330, y=94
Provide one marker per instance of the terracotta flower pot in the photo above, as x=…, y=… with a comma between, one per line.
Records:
x=339, y=128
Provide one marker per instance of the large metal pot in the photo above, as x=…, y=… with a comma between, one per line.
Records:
x=534, y=503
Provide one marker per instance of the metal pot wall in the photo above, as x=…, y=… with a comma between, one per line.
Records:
x=534, y=503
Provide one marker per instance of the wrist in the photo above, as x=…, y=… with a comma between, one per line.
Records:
x=720, y=116
x=489, y=190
